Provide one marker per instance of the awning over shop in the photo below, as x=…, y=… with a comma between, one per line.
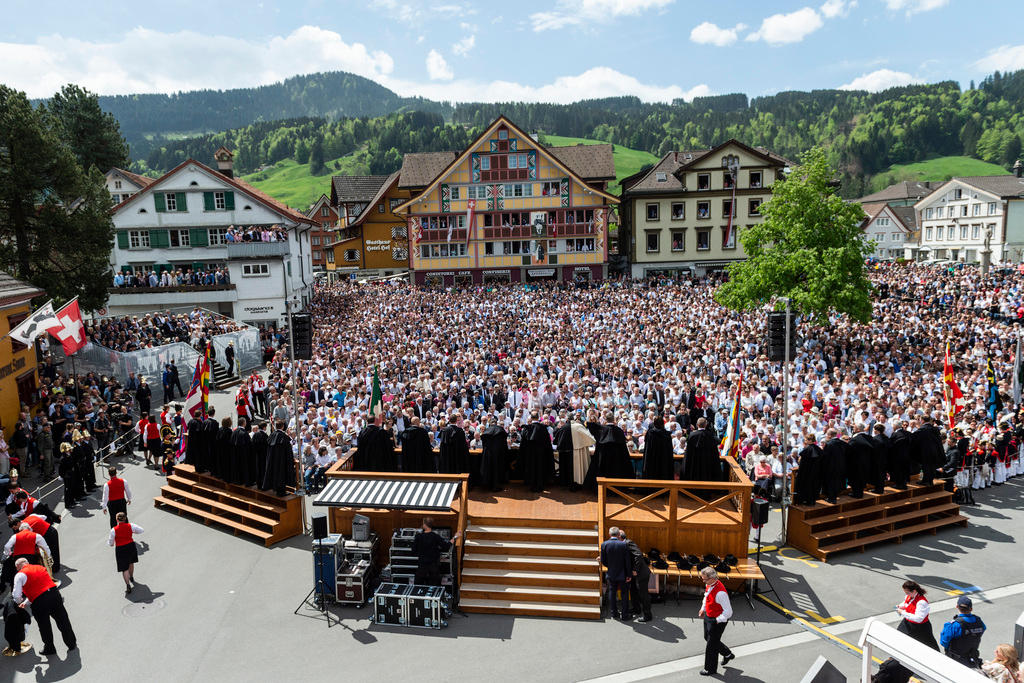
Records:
x=388, y=494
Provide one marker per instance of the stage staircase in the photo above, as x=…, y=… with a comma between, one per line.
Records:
x=220, y=377
x=545, y=568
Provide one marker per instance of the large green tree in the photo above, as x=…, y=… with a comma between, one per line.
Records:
x=55, y=225
x=93, y=135
x=810, y=248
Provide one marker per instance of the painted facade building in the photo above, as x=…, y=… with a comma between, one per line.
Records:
x=372, y=239
x=508, y=209
x=19, y=381
x=323, y=232
x=675, y=217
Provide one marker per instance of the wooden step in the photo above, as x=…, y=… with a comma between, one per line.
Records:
x=531, y=608
x=848, y=503
x=535, y=534
x=237, y=527
x=883, y=521
x=534, y=523
x=539, y=548
x=897, y=534
x=269, y=511
x=490, y=591
x=930, y=498
x=573, y=565
x=524, y=577
x=224, y=508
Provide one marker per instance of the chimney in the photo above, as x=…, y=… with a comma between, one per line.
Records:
x=1018, y=169
x=675, y=157
x=225, y=162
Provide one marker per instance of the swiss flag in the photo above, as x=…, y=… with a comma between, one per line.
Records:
x=70, y=331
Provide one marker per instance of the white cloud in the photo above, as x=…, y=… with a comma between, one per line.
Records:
x=596, y=82
x=588, y=12
x=779, y=29
x=1003, y=58
x=915, y=6
x=837, y=8
x=710, y=34
x=144, y=60
x=880, y=80
x=437, y=67
x=463, y=47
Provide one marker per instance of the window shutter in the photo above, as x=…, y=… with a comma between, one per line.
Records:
x=229, y=200
x=127, y=269
x=159, y=238
x=122, y=239
x=180, y=198
x=208, y=201
x=198, y=266
x=197, y=237
x=161, y=206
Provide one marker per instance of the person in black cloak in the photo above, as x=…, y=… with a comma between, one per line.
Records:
x=701, y=462
x=375, y=450
x=563, y=443
x=658, y=452
x=206, y=454
x=241, y=455
x=85, y=457
x=927, y=442
x=879, y=459
x=417, y=454
x=280, y=470
x=196, y=443
x=454, y=451
x=494, y=463
x=536, y=455
x=364, y=460
x=833, y=466
x=899, y=456
x=611, y=455
x=260, y=441
x=222, y=451
x=808, y=476
x=861, y=454
x=67, y=468
x=16, y=621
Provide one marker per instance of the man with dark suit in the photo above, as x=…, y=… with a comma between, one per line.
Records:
x=899, y=456
x=618, y=562
x=638, y=594
x=861, y=453
x=880, y=459
x=928, y=447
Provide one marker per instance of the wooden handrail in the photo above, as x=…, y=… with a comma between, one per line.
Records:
x=638, y=502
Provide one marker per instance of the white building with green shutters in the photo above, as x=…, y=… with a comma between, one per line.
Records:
x=180, y=222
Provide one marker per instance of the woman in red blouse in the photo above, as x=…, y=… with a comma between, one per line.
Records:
x=914, y=609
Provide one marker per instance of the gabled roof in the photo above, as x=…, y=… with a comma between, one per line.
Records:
x=769, y=158
x=389, y=182
x=314, y=210
x=906, y=215
x=355, y=188
x=420, y=168
x=590, y=162
x=905, y=190
x=1003, y=186
x=239, y=185
x=647, y=181
x=422, y=171
x=139, y=180
x=14, y=291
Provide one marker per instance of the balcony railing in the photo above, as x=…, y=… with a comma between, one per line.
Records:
x=172, y=288
x=257, y=249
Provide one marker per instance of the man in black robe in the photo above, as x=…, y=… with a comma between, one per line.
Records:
x=927, y=442
x=222, y=451
x=454, y=451
x=196, y=442
x=833, y=466
x=280, y=472
x=494, y=463
x=879, y=459
x=536, y=455
x=860, y=456
x=808, y=476
x=206, y=456
x=563, y=444
x=658, y=452
x=417, y=454
x=375, y=451
x=241, y=455
x=260, y=442
x=899, y=456
x=701, y=462
x=611, y=455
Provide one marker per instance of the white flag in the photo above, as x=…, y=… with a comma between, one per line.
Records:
x=36, y=324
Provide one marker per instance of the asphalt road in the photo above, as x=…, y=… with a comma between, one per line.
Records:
x=212, y=606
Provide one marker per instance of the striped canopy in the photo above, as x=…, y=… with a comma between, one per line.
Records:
x=388, y=494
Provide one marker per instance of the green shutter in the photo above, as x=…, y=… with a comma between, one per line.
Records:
x=208, y=201
x=127, y=269
x=229, y=200
x=197, y=237
x=161, y=206
x=159, y=238
x=196, y=266
x=180, y=200
x=122, y=239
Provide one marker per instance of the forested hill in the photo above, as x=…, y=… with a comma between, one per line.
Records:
x=331, y=95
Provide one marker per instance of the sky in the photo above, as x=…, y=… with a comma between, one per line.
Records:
x=554, y=51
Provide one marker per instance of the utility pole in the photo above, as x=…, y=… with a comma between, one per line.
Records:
x=785, y=424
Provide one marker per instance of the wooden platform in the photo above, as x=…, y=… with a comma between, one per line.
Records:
x=244, y=510
x=824, y=529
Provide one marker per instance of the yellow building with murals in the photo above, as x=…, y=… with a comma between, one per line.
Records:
x=508, y=209
x=18, y=379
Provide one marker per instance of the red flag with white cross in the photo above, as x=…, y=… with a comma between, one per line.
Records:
x=70, y=331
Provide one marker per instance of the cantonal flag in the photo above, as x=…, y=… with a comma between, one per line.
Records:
x=198, y=399
x=955, y=401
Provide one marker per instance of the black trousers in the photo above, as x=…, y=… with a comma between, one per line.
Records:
x=53, y=540
x=428, y=574
x=115, y=506
x=639, y=596
x=714, y=647
x=50, y=605
x=622, y=588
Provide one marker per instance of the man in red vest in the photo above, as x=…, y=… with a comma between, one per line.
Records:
x=716, y=610
x=116, y=496
x=34, y=585
x=48, y=531
x=23, y=544
x=127, y=554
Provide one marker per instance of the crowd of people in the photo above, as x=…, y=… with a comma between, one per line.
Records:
x=131, y=333
x=256, y=233
x=182, y=277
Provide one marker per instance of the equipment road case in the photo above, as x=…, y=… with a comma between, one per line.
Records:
x=427, y=607
x=389, y=604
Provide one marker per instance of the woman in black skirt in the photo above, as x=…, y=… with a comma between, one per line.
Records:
x=127, y=554
x=914, y=611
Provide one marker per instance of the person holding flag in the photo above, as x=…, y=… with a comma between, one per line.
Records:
x=955, y=401
x=196, y=409
x=995, y=401
x=731, y=441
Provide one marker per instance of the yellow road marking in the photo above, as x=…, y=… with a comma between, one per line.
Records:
x=817, y=630
x=764, y=549
x=806, y=559
x=954, y=592
x=824, y=620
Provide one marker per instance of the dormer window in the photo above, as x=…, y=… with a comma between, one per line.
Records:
x=117, y=184
x=661, y=176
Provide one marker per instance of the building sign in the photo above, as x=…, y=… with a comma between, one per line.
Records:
x=582, y=269
x=378, y=245
x=540, y=272
x=259, y=310
x=12, y=367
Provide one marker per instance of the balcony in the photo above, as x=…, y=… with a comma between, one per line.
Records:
x=164, y=297
x=243, y=250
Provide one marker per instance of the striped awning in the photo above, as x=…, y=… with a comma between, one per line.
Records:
x=388, y=494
